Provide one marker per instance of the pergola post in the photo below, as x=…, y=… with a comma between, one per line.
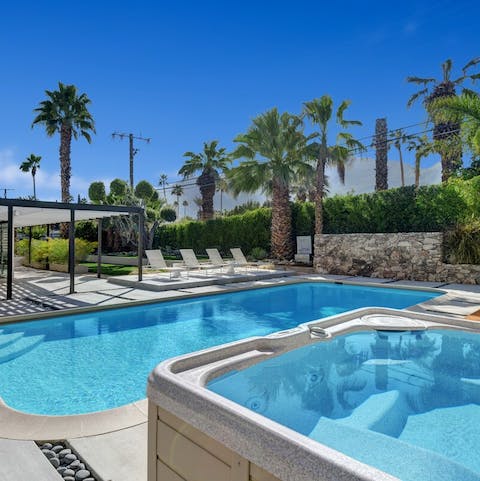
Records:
x=71, y=250
x=10, y=253
x=140, y=245
x=99, y=248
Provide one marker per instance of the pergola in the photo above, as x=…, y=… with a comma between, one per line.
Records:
x=27, y=213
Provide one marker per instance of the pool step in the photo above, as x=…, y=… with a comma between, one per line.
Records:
x=6, y=339
x=385, y=413
x=404, y=460
x=20, y=347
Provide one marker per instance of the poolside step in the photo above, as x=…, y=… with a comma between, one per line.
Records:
x=403, y=460
x=6, y=339
x=385, y=413
x=20, y=347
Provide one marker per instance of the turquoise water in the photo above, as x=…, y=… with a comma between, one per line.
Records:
x=100, y=360
x=407, y=403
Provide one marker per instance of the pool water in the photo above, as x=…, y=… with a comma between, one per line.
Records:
x=407, y=403
x=100, y=360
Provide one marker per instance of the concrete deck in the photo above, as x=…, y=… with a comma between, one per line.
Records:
x=119, y=454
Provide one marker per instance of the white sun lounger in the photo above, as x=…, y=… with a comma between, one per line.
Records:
x=156, y=261
x=217, y=260
x=191, y=261
x=240, y=259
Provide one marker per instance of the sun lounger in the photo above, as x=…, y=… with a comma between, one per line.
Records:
x=191, y=261
x=217, y=260
x=156, y=261
x=240, y=259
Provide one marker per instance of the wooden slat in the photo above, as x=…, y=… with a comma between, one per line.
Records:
x=188, y=459
x=164, y=473
x=214, y=447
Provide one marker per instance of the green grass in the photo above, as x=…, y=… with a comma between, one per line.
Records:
x=110, y=269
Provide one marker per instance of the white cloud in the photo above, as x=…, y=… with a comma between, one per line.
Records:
x=47, y=182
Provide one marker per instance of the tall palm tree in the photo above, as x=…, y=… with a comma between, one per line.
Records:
x=185, y=205
x=163, y=184
x=422, y=147
x=31, y=164
x=464, y=109
x=320, y=113
x=445, y=132
x=222, y=187
x=177, y=190
x=210, y=163
x=274, y=150
x=67, y=113
x=398, y=138
x=381, y=154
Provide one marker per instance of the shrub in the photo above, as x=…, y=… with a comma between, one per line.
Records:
x=462, y=244
x=258, y=254
x=168, y=214
x=55, y=250
x=96, y=192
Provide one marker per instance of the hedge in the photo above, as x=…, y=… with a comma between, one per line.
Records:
x=405, y=209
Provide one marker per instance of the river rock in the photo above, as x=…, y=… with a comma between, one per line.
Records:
x=56, y=449
x=48, y=453
x=64, y=452
x=46, y=446
x=70, y=457
x=82, y=474
x=68, y=472
x=55, y=462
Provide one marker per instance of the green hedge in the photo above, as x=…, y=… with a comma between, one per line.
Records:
x=248, y=230
x=406, y=209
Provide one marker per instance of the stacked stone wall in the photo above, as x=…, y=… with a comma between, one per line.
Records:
x=413, y=255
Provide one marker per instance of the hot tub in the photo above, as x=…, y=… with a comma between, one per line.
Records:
x=373, y=394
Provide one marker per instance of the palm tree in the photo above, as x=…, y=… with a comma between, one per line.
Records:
x=209, y=163
x=185, y=205
x=177, y=190
x=398, y=138
x=198, y=202
x=464, y=109
x=445, y=132
x=65, y=112
x=275, y=152
x=222, y=187
x=381, y=155
x=320, y=112
x=31, y=164
x=422, y=147
x=163, y=183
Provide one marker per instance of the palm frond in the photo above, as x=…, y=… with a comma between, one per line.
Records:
x=416, y=95
x=420, y=80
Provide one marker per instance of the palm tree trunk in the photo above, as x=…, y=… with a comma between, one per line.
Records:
x=34, y=189
x=206, y=182
x=319, y=195
x=417, y=170
x=281, y=237
x=381, y=155
x=65, y=166
x=402, y=171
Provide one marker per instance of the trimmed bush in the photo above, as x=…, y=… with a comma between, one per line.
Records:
x=406, y=209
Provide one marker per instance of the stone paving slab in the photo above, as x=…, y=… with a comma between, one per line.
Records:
x=116, y=456
x=368, y=280
x=417, y=284
x=22, y=460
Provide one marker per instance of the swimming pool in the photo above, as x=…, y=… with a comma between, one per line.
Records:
x=405, y=402
x=99, y=360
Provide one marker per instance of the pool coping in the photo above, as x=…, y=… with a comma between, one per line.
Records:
x=19, y=425
x=177, y=385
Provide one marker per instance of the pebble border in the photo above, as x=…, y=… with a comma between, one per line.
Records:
x=67, y=463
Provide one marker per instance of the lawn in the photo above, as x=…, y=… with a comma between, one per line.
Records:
x=110, y=269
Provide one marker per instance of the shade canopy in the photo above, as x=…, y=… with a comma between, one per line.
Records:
x=31, y=212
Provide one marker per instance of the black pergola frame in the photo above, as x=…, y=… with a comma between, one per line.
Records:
x=72, y=208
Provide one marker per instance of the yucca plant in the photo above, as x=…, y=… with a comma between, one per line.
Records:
x=462, y=244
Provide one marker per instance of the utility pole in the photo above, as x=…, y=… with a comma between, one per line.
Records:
x=132, y=150
x=5, y=191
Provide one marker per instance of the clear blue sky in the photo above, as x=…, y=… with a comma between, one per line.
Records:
x=185, y=72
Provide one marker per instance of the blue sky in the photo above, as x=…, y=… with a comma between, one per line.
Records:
x=187, y=72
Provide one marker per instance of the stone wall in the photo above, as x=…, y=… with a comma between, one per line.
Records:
x=413, y=255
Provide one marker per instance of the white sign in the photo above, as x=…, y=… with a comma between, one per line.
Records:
x=304, y=244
